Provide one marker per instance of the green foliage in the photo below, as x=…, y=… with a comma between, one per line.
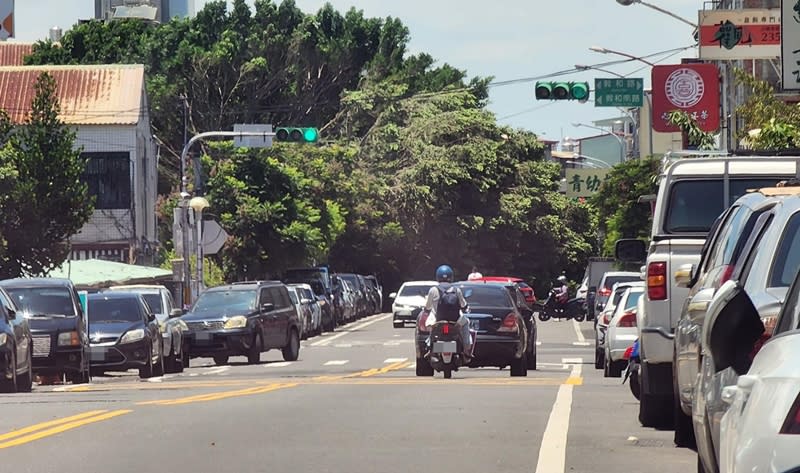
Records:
x=769, y=123
x=619, y=212
x=697, y=137
x=44, y=199
x=212, y=272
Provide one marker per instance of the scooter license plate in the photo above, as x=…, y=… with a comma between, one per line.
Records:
x=445, y=347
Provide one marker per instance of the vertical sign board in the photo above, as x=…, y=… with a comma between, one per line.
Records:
x=740, y=34
x=693, y=88
x=790, y=44
x=6, y=19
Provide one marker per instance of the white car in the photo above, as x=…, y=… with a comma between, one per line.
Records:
x=604, y=318
x=622, y=331
x=411, y=296
x=760, y=431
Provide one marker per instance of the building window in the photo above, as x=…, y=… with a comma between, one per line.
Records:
x=109, y=179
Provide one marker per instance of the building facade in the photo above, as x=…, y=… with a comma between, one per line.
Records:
x=107, y=107
x=164, y=9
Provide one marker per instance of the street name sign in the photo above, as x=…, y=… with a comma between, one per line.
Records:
x=252, y=141
x=618, y=92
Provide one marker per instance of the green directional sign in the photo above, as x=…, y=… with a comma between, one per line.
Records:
x=618, y=92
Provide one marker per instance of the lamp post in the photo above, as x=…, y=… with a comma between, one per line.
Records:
x=198, y=204
x=588, y=165
x=597, y=162
x=621, y=141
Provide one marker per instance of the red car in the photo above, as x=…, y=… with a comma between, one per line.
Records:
x=527, y=291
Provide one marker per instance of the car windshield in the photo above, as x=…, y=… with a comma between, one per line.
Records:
x=108, y=310
x=694, y=205
x=415, y=290
x=43, y=300
x=486, y=296
x=154, y=301
x=227, y=301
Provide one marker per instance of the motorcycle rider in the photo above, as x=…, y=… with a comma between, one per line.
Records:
x=561, y=292
x=444, y=276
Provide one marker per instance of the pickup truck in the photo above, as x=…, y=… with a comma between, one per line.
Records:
x=692, y=193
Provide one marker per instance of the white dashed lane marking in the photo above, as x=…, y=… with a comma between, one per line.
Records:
x=336, y=362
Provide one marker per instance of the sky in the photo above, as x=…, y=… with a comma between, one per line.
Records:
x=506, y=39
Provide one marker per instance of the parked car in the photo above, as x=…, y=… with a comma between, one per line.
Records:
x=314, y=306
x=592, y=278
x=326, y=304
x=768, y=264
x=604, y=319
x=349, y=301
x=502, y=334
x=372, y=281
x=246, y=319
x=303, y=309
x=124, y=334
x=607, y=283
x=325, y=284
x=721, y=251
x=622, y=332
x=16, y=348
x=58, y=328
x=760, y=429
x=359, y=295
x=159, y=299
x=408, y=301
x=692, y=193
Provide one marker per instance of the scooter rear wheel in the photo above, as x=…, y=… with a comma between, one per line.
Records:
x=544, y=317
x=447, y=373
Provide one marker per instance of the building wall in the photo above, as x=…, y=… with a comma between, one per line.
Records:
x=604, y=147
x=662, y=142
x=167, y=9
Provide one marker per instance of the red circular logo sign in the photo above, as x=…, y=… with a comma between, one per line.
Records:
x=684, y=88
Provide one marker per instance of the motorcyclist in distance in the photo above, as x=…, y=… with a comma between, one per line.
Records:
x=442, y=293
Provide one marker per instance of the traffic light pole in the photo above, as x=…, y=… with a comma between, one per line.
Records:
x=198, y=183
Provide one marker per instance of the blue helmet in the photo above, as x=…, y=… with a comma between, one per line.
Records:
x=444, y=273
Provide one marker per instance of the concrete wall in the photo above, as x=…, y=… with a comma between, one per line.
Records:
x=604, y=147
x=662, y=142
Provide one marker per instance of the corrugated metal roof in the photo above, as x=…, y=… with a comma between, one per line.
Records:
x=101, y=273
x=89, y=95
x=13, y=54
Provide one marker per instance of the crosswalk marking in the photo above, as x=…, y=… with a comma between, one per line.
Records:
x=394, y=360
x=336, y=362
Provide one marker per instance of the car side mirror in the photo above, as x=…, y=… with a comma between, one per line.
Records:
x=683, y=276
x=176, y=313
x=630, y=250
x=151, y=317
x=267, y=307
x=392, y=295
x=734, y=326
x=12, y=314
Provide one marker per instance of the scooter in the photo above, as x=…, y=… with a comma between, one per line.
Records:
x=446, y=348
x=550, y=309
x=632, y=372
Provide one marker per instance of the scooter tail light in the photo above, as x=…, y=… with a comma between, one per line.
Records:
x=509, y=324
x=791, y=426
x=446, y=329
x=605, y=291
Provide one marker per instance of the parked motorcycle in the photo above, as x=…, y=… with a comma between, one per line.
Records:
x=632, y=372
x=446, y=348
x=575, y=308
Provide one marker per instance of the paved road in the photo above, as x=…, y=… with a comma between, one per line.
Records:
x=350, y=404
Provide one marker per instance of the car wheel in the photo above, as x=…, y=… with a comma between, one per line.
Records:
x=424, y=367
x=177, y=362
x=519, y=367
x=220, y=359
x=397, y=324
x=448, y=373
x=148, y=370
x=684, y=428
x=158, y=369
x=185, y=356
x=10, y=385
x=599, y=356
x=532, y=359
x=169, y=363
x=292, y=350
x=25, y=382
x=654, y=411
x=636, y=387
x=256, y=347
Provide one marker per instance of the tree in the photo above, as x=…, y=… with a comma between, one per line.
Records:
x=47, y=201
x=769, y=123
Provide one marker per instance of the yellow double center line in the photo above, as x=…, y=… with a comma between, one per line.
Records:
x=53, y=427
x=218, y=395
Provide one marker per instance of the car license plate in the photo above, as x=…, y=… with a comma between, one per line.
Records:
x=475, y=324
x=444, y=347
x=97, y=354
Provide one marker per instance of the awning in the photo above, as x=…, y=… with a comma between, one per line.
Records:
x=96, y=274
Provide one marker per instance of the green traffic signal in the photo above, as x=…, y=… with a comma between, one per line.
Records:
x=562, y=91
x=297, y=135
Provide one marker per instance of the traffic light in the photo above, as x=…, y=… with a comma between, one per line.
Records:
x=562, y=91
x=297, y=135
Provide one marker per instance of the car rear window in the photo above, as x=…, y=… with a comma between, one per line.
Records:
x=487, y=296
x=694, y=205
x=633, y=299
x=611, y=280
x=787, y=257
x=411, y=291
x=114, y=310
x=154, y=302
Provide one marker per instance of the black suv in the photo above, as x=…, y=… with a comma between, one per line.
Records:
x=57, y=324
x=245, y=319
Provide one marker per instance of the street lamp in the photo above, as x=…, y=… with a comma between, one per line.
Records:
x=621, y=141
x=602, y=50
x=596, y=161
x=588, y=165
x=628, y=3
x=198, y=204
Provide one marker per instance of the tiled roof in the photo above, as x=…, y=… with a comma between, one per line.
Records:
x=13, y=54
x=89, y=95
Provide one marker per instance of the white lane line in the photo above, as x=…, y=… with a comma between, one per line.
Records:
x=219, y=370
x=538, y=343
x=337, y=362
x=411, y=366
x=391, y=344
x=280, y=364
x=344, y=345
x=581, y=344
x=578, y=332
x=326, y=341
x=553, y=451
x=395, y=360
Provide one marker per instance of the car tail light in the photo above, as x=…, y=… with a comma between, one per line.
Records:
x=423, y=317
x=604, y=319
x=791, y=425
x=604, y=291
x=727, y=272
x=657, y=281
x=509, y=323
x=628, y=319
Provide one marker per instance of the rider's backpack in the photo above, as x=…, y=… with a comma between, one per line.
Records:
x=449, y=307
